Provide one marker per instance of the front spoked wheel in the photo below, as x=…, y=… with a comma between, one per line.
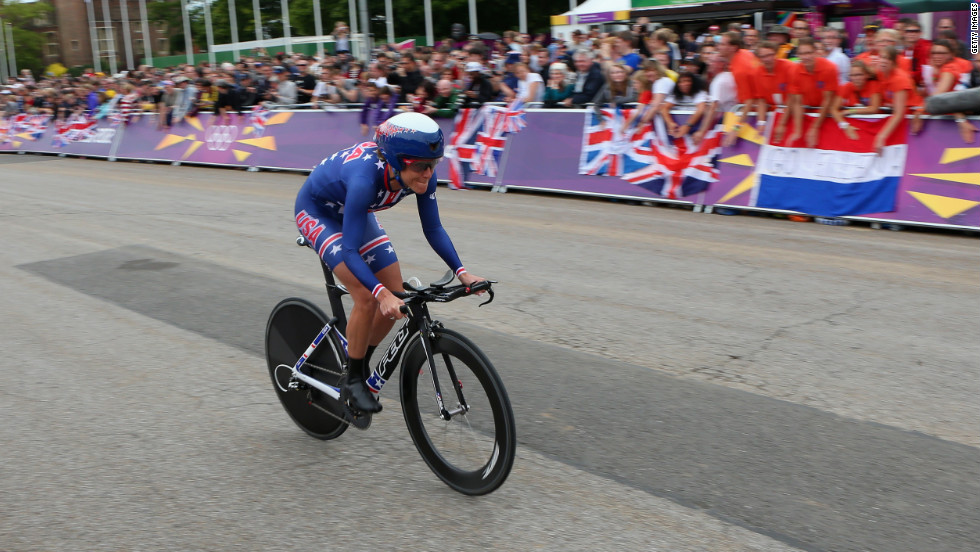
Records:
x=293, y=325
x=473, y=451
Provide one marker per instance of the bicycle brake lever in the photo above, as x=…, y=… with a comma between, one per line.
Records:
x=489, y=292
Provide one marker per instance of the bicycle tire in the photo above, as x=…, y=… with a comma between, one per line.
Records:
x=293, y=325
x=481, y=464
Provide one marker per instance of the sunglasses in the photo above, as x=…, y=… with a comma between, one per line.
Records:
x=421, y=165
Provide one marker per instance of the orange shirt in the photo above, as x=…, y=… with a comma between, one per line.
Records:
x=871, y=59
x=899, y=80
x=774, y=87
x=744, y=66
x=850, y=96
x=812, y=85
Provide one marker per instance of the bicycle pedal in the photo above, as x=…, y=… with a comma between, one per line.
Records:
x=360, y=420
x=297, y=385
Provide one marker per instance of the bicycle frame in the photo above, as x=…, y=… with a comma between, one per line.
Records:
x=409, y=332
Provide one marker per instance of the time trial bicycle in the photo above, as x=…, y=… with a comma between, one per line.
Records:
x=454, y=402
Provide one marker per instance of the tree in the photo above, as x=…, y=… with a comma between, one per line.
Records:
x=28, y=44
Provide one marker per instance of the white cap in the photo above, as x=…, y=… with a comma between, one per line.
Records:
x=473, y=66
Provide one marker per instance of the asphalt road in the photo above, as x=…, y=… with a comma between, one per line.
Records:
x=681, y=381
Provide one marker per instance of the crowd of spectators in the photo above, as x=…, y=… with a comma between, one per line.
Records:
x=711, y=73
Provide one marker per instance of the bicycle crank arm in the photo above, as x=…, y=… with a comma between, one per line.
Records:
x=313, y=382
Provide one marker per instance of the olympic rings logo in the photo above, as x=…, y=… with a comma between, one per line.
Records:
x=220, y=137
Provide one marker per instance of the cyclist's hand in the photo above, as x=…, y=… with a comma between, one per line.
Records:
x=390, y=305
x=468, y=279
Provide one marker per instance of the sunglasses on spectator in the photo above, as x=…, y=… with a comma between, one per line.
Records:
x=421, y=165
x=913, y=30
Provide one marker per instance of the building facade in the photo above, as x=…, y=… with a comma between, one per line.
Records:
x=68, y=34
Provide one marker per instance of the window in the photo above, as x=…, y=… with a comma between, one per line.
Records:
x=74, y=45
x=53, y=47
x=162, y=46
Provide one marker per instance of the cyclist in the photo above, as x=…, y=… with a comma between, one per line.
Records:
x=335, y=212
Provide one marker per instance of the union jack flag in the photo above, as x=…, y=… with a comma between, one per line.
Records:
x=260, y=114
x=479, y=138
x=5, y=134
x=36, y=125
x=606, y=144
x=461, y=149
x=516, y=118
x=490, y=141
x=674, y=167
x=76, y=129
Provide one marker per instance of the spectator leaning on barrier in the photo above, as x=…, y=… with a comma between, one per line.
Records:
x=947, y=73
x=447, y=100
x=618, y=90
x=897, y=90
x=228, y=100
x=771, y=79
x=860, y=96
x=559, y=86
x=587, y=79
x=884, y=38
x=813, y=83
x=744, y=66
x=689, y=93
x=653, y=85
x=530, y=85
x=167, y=98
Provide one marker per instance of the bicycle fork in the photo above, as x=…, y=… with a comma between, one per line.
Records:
x=388, y=363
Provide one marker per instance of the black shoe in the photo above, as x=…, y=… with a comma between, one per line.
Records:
x=359, y=396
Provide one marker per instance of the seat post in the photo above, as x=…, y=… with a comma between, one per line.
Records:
x=334, y=294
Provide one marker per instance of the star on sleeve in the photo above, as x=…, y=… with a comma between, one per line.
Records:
x=367, y=157
x=380, y=164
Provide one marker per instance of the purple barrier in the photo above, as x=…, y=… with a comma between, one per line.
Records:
x=87, y=140
x=941, y=186
x=202, y=139
x=294, y=140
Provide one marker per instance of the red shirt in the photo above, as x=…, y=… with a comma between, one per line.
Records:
x=744, y=66
x=918, y=54
x=897, y=81
x=871, y=60
x=774, y=87
x=812, y=85
x=850, y=96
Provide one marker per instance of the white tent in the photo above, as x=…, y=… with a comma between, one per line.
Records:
x=589, y=13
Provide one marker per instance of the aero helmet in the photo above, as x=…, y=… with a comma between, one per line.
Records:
x=409, y=135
